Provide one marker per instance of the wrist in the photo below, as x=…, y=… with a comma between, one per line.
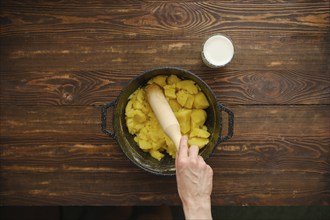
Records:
x=197, y=208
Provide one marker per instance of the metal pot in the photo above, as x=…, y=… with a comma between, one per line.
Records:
x=125, y=140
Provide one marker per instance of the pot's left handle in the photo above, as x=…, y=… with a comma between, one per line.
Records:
x=104, y=111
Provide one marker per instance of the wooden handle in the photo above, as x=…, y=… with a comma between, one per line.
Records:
x=164, y=113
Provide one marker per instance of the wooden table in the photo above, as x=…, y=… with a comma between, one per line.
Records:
x=62, y=60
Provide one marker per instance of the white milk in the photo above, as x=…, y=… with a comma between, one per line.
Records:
x=218, y=51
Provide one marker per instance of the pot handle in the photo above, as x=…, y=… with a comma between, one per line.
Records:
x=230, y=131
x=104, y=111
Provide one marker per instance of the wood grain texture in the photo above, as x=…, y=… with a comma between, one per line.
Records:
x=98, y=87
x=306, y=52
x=61, y=60
x=53, y=157
x=66, y=35
x=165, y=19
x=83, y=123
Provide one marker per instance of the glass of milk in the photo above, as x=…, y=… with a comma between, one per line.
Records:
x=218, y=51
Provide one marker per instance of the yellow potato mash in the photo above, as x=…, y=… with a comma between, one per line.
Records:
x=187, y=102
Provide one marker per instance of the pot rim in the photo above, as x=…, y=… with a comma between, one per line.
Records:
x=219, y=108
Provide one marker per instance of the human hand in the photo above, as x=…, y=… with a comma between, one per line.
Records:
x=194, y=180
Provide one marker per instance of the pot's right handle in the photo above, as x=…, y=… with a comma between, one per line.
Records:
x=230, y=131
x=104, y=111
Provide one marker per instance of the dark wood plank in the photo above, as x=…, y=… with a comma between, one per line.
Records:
x=259, y=188
x=278, y=156
x=71, y=162
x=235, y=183
x=60, y=60
x=98, y=189
x=274, y=50
x=164, y=18
x=243, y=176
x=66, y=35
x=99, y=87
x=80, y=123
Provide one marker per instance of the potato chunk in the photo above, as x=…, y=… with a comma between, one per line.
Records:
x=182, y=97
x=198, y=117
x=169, y=91
x=187, y=85
x=175, y=106
x=159, y=80
x=200, y=142
x=201, y=101
x=172, y=79
x=139, y=116
x=190, y=101
x=156, y=154
x=198, y=132
x=183, y=117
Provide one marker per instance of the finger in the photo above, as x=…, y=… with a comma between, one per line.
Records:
x=201, y=159
x=183, y=150
x=210, y=171
x=193, y=151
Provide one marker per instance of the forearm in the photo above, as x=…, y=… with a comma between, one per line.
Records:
x=194, y=181
x=197, y=209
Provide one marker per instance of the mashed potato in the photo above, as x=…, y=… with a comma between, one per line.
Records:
x=187, y=102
